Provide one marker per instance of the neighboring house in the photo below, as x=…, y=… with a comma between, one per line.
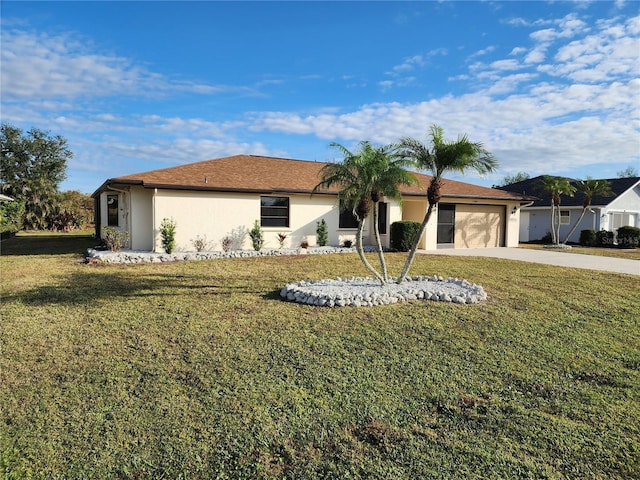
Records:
x=224, y=197
x=605, y=213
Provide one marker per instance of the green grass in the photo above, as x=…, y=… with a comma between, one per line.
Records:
x=628, y=253
x=198, y=370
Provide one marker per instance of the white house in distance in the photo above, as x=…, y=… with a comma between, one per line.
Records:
x=224, y=197
x=605, y=213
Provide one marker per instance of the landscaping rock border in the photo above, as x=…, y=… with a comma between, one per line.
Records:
x=361, y=292
x=132, y=256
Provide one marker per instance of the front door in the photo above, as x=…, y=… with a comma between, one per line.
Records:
x=446, y=223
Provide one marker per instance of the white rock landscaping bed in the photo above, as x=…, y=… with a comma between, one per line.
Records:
x=367, y=292
x=132, y=256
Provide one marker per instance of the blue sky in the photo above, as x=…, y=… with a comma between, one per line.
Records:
x=547, y=87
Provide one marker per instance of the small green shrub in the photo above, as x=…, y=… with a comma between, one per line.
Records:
x=11, y=214
x=115, y=239
x=604, y=238
x=168, y=234
x=588, y=238
x=322, y=233
x=628, y=237
x=404, y=235
x=257, y=237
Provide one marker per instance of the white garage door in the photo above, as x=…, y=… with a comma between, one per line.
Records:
x=479, y=226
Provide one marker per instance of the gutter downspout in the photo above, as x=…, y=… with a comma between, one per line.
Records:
x=153, y=219
x=127, y=202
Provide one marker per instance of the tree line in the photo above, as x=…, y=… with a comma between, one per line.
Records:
x=32, y=166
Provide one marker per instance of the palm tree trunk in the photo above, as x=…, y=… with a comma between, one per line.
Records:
x=376, y=232
x=360, y=250
x=575, y=225
x=552, y=220
x=412, y=253
x=557, y=224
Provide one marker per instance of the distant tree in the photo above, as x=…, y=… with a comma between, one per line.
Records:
x=515, y=178
x=628, y=172
x=554, y=188
x=79, y=204
x=440, y=157
x=589, y=188
x=32, y=166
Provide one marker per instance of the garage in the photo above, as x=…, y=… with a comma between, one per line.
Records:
x=479, y=226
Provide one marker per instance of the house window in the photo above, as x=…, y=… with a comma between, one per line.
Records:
x=112, y=210
x=446, y=223
x=382, y=217
x=565, y=217
x=274, y=211
x=347, y=219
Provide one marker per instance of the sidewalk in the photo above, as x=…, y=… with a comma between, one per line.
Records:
x=549, y=257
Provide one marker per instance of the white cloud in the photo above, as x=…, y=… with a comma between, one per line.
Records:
x=40, y=65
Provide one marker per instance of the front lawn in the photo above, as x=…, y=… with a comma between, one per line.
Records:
x=628, y=253
x=199, y=370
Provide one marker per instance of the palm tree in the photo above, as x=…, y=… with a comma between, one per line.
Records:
x=366, y=177
x=443, y=156
x=554, y=188
x=589, y=187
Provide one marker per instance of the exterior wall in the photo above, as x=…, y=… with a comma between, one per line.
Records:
x=123, y=212
x=141, y=228
x=540, y=222
x=215, y=215
x=624, y=210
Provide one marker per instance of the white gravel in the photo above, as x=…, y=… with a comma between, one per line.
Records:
x=368, y=292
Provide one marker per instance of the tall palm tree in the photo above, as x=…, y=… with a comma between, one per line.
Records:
x=554, y=188
x=589, y=187
x=365, y=178
x=441, y=157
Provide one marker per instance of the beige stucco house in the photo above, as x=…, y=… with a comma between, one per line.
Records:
x=223, y=197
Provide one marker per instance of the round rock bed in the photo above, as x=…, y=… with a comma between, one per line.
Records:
x=367, y=292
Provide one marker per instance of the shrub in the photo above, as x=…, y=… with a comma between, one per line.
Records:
x=347, y=244
x=304, y=243
x=168, y=234
x=404, y=235
x=200, y=243
x=604, y=238
x=115, y=239
x=281, y=239
x=227, y=242
x=588, y=238
x=629, y=237
x=322, y=233
x=257, y=237
x=11, y=217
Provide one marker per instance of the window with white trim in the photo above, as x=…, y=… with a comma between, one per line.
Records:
x=565, y=217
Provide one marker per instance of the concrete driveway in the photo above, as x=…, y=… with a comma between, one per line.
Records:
x=549, y=257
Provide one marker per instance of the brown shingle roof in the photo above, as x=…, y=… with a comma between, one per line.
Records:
x=251, y=173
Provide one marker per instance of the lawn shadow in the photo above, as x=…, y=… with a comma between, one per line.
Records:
x=97, y=283
x=54, y=244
